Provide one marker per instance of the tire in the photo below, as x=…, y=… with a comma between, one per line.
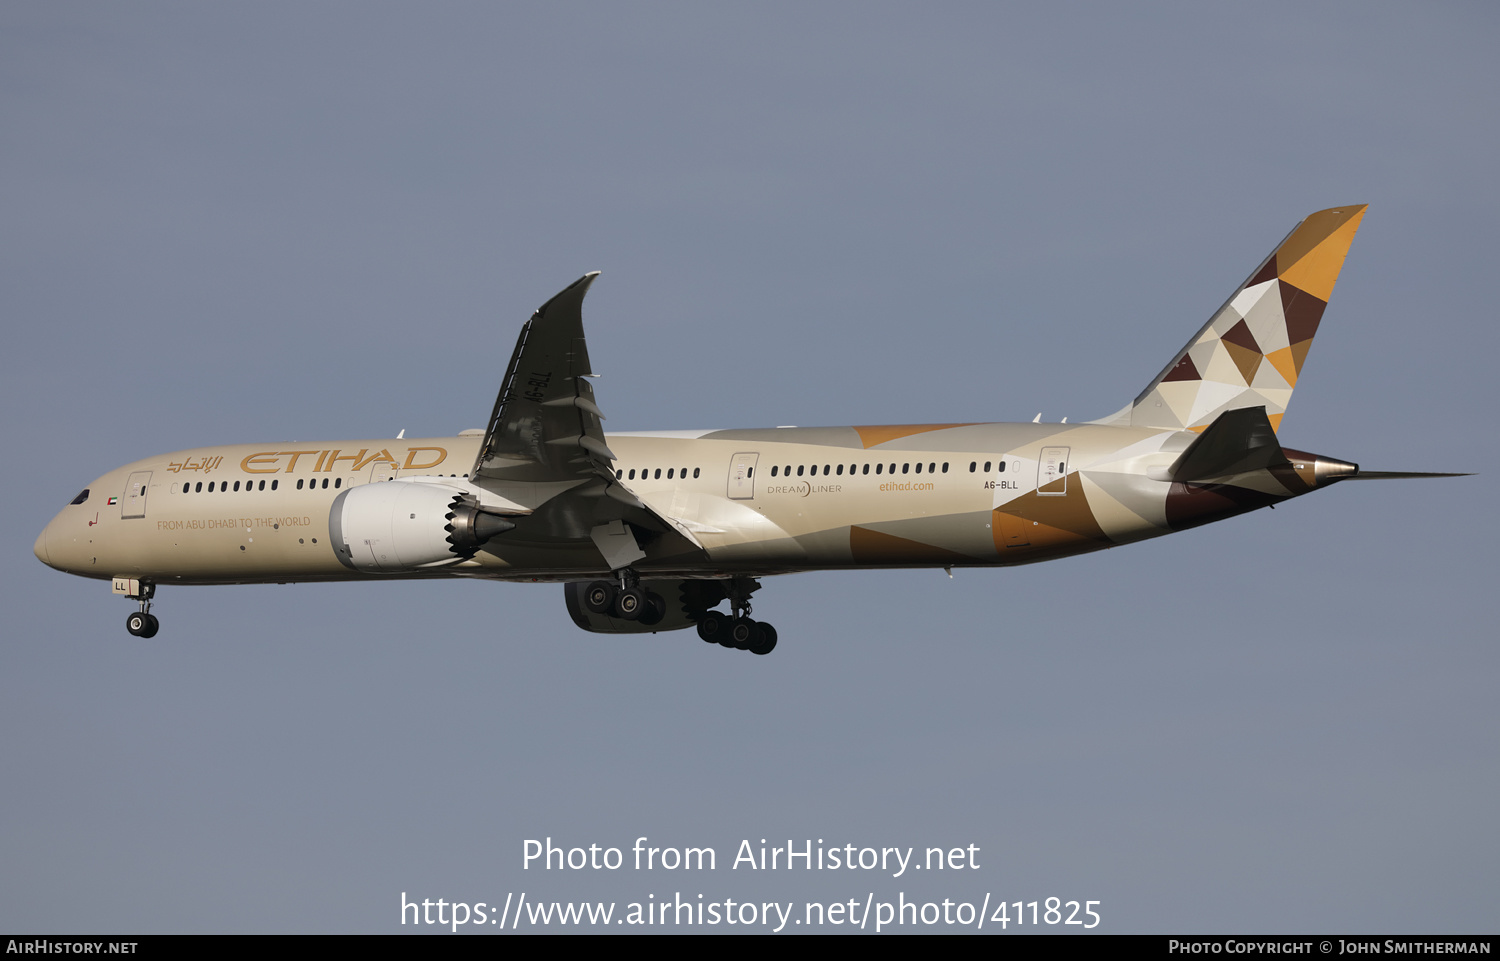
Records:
x=655, y=609
x=600, y=597
x=713, y=627
x=152, y=626
x=741, y=632
x=631, y=604
x=136, y=624
x=764, y=641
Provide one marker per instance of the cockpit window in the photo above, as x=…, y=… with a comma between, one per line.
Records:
x=82, y=496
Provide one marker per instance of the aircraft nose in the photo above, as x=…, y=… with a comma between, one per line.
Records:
x=40, y=547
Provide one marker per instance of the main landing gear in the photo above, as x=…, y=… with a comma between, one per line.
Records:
x=628, y=602
x=738, y=631
x=143, y=623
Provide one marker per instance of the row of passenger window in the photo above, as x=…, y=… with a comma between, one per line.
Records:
x=907, y=468
x=224, y=486
x=646, y=473
x=838, y=469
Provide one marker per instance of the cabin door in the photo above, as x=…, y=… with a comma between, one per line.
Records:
x=134, y=504
x=742, y=476
x=1052, y=471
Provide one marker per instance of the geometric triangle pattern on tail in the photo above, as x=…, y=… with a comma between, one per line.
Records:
x=1251, y=352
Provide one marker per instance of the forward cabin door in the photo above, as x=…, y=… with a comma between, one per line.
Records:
x=742, y=477
x=134, y=504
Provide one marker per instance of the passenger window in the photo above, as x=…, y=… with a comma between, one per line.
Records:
x=867, y=469
x=658, y=474
x=273, y=484
x=619, y=475
x=261, y=486
x=236, y=487
x=840, y=471
x=773, y=470
x=1002, y=467
x=945, y=467
x=879, y=468
x=337, y=483
x=695, y=471
x=986, y=467
x=750, y=472
x=299, y=483
x=669, y=473
x=198, y=488
x=799, y=470
x=905, y=468
x=919, y=468
x=325, y=483
x=931, y=468
x=632, y=473
x=826, y=469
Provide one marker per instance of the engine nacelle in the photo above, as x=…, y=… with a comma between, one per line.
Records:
x=684, y=602
x=401, y=525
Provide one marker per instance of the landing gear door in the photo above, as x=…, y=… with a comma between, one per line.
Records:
x=742, y=477
x=1052, y=471
x=134, y=504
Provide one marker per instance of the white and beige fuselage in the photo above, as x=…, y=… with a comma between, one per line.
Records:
x=757, y=501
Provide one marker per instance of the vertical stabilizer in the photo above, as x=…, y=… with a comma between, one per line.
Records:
x=1251, y=352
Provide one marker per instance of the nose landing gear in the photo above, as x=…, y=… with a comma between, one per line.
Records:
x=142, y=623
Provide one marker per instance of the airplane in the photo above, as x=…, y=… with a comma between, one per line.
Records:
x=653, y=530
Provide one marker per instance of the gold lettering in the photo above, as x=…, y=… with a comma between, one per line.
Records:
x=411, y=453
x=336, y=458
x=294, y=454
x=260, y=458
x=319, y=465
x=384, y=455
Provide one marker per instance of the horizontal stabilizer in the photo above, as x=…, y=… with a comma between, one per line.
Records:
x=1237, y=442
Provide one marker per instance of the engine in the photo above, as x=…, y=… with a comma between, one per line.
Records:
x=400, y=525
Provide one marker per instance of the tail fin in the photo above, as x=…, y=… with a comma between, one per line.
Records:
x=1250, y=353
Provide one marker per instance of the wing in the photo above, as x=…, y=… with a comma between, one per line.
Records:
x=545, y=426
x=544, y=447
